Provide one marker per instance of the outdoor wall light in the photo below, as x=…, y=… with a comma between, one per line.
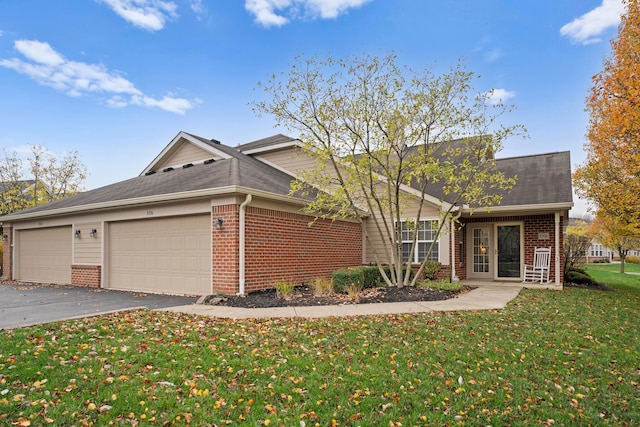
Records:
x=5, y=237
x=93, y=232
x=219, y=224
x=77, y=234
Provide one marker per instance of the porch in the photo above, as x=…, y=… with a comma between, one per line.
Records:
x=495, y=250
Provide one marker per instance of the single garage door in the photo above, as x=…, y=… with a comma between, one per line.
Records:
x=163, y=255
x=44, y=255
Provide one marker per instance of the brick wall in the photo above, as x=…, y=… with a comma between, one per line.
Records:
x=225, y=249
x=545, y=224
x=7, y=254
x=86, y=275
x=282, y=245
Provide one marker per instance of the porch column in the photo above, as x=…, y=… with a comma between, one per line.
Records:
x=452, y=249
x=454, y=277
x=557, y=233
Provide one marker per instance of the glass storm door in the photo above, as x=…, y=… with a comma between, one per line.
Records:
x=508, y=244
x=481, y=252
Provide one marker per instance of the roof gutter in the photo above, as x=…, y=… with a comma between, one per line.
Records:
x=551, y=207
x=149, y=200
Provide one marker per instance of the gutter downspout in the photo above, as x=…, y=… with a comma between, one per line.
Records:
x=454, y=276
x=241, y=243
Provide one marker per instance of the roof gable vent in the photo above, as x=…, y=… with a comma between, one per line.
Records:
x=208, y=162
x=167, y=169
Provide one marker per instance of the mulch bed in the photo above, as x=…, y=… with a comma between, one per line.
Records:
x=304, y=296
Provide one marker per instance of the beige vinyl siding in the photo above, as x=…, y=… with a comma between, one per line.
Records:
x=44, y=255
x=410, y=211
x=161, y=255
x=291, y=160
x=184, y=153
x=87, y=249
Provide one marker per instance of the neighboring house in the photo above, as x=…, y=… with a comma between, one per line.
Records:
x=204, y=217
x=9, y=191
x=599, y=252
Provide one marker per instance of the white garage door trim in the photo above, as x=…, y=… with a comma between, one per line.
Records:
x=169, y=255
x=44, y=255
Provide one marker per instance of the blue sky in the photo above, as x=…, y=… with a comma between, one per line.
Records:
x=116, y=80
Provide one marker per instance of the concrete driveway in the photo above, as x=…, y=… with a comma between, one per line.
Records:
x=26, y=305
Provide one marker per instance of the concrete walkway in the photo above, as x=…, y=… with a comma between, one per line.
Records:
x=485, y=297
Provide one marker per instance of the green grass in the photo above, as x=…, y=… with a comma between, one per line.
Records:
x=610, y=274
x=551, y=357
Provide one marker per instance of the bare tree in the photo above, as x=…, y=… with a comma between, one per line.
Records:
x=40, y=178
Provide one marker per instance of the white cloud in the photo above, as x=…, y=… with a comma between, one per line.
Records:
x=493, y=55
x=279, y=12
x=167, y=103
x=147, y=14
x=39, y=52
x=49, y=68
x=588, y=27
x=198, y=7
x=499, y=96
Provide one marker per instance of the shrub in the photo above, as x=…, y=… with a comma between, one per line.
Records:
x=346, y=277
x=372, y=277
x=322, y=286
x=444, y=285
x=580, y=278
x=431, y=269
x=284, y=288
x=629, y=259
x=601, y=261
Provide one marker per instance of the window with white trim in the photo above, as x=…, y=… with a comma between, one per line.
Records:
x=426, y=234
x=596, y=249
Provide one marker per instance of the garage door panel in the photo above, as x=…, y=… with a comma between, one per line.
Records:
x=164, y=255
x=44, y=255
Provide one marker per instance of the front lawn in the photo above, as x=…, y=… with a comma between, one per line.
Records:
x=550, y=358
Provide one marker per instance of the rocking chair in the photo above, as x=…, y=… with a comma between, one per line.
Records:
x=539, y=270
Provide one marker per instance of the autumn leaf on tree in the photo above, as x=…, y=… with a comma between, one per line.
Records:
x=609, y=176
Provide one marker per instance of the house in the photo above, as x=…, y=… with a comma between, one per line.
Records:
x=597, y=252
x=10, y=192
x=204, y=217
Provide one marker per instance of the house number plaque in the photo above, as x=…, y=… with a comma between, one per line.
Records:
x=543, y=236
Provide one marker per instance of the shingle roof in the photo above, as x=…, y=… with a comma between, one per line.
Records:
x=266, y=142
x=23, y=184
x=239, y=170
x=542, y=179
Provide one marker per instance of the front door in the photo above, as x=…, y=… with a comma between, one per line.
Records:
x=508, y=245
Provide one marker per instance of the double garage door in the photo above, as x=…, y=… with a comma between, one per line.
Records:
x=166, y=255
